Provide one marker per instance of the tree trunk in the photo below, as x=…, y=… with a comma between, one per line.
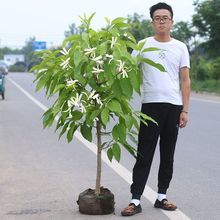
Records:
x=99, y=158
x=101, y=200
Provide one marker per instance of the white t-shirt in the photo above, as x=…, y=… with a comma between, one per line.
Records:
x=163, y=86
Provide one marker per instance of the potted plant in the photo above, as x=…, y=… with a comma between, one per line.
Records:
x=94, y=78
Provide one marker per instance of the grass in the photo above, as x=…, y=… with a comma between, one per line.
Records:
x=211, y=86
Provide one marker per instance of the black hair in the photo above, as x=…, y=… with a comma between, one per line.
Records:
x=161, y=5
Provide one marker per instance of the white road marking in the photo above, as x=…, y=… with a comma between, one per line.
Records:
x=149, y=194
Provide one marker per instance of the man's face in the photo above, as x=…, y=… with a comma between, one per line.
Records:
x=162, y=21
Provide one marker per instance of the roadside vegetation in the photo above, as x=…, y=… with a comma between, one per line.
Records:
x=201, y=35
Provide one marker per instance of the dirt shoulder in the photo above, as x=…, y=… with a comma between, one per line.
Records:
x=205, y=96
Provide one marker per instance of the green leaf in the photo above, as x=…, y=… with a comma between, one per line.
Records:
x=58, y=87
x=122, y=132
x=85, y=38
x=118, y=20
x=131, y=45
x=94, y=114
x=121, y=25
x=62, y=118
x=41, y=83
x=148, y=118
x=152, y=63
x=114, y=106
x=90, y=17
x=135, y=80
x=116, y=151
x=56, y=109
x=102, y=48
x=48, y=118
x=114, y=32
x=125, y=106
x=144, y=118
x=63, y=129
x=136, y=123
x=71, y=38
x=77, y=57
x=71, y=132
x=52, y=84
x=141, y=44
x=132, y=138
x=126, y=87
x=110, y=154
x=59, y=124
x=86, y=132
x=107, y=20
x=39, y=73
x=130, y=149
x=115, y=133
x=76, y=115
x=116, y=88
x=81, y=79
x=128, y=121
x=150, y=49
x=105, y=116
x=132, y=38
x=117, y=53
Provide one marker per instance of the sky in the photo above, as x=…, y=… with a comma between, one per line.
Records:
x=47, y=20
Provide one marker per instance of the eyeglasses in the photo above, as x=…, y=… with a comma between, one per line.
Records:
x=164, y=19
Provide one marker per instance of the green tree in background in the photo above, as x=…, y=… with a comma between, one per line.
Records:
x=28, y=50
x=73, y=29
x=7, y=50
x=216, y=68
x=207, y=21
x=139, y=27
x=182, y=31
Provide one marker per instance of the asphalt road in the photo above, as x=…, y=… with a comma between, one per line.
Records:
x=41, y=177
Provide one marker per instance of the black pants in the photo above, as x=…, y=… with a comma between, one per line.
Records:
x=167, y=117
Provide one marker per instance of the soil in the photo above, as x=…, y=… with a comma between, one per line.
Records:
x=92, y=204
x=205, y=96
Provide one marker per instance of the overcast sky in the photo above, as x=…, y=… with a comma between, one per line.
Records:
x=47, y=20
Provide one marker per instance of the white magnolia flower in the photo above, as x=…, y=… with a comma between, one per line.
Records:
x=64, y=51
x=113, y=42
x=94, y=96
x=98, y=60
x=99, y=101
x=92, y=93
x=82, y=108
x=121, y=65
x=97, y=70
x=127, y=36
x=76, y=102
x=122, y=69
x=90, y=52
x=71, y=82
x=124, y=74
x=95, y=119
x=65, y=64
x=110, y=57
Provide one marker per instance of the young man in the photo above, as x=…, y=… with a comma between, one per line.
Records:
x=165, y=102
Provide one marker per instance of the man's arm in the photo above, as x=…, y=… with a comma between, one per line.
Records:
x=185, y=88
